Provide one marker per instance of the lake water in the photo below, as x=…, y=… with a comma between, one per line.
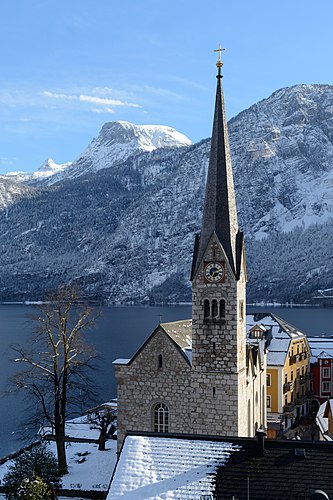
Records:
x=118, y=333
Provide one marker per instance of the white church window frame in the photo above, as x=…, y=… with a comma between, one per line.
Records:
x=161, y=417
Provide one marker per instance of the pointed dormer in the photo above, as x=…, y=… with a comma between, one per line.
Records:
x=219, y=213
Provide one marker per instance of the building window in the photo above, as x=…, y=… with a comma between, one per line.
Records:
x=161, y=418
x=268, y=380
x=222, y=308
x=326, y=372
x=285, y=378
x=206, y=308
x=160, y=361
x=326, y=386
x=214, y=309
x=268, y=401
x=214, y=391
x=291, y=375
x=303, y=371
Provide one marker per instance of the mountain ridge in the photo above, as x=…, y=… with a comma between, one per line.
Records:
x=125, y=233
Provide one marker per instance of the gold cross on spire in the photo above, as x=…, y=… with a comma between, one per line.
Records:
x=219, y=63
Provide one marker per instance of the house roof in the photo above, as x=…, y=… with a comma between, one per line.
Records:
x=167, y=467
x=278, y=334
x=321, y=347
x=189, y=467
x=279, y=473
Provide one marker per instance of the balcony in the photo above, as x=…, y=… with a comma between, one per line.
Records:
x=304, y=379
x=287, y=387
x=292, y=360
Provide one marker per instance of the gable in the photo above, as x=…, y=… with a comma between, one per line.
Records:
x=158, y=343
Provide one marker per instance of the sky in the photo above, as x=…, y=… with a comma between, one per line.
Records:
x=69, y=66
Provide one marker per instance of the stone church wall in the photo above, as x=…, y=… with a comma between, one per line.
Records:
x=142, y=384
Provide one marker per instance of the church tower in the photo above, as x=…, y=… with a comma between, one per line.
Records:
x=219, y=297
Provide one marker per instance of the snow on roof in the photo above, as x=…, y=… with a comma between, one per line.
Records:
x=180, y=332
x=121, y=361
x=160, y=468
x=322, y=421
x=320, y=347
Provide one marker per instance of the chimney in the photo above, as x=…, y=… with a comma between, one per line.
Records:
x=260, y=433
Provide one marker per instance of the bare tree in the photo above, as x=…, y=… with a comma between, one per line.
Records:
x=58, y=363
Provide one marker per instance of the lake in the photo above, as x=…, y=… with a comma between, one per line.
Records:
x=118, y=333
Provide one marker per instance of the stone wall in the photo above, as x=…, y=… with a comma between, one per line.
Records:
x=142, y=384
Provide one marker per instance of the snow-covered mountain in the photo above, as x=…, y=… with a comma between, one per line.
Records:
x=116, y=142
x=125, y=229
x=44, y=175
x=283, y=158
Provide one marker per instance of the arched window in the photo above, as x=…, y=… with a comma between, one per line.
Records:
x=222, y=308
x=206, y=308
x=160, y=361
x=161, y=418
x=214, y=309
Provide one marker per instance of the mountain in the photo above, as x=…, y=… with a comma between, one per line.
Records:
x=121, y=220
x=116, y=142
x=282, y=151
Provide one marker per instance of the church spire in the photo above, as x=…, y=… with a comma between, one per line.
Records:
x=219, y=214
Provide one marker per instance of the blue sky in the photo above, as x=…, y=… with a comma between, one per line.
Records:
x=69, y=66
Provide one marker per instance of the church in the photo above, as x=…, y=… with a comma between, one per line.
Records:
x=202, y=375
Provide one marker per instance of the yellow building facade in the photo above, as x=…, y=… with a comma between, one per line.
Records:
x=288, y=371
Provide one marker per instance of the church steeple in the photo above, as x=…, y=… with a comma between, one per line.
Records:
x=219, y=214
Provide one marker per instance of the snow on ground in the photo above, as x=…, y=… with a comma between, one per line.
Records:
x=95, y=471
x=77, y=428
x=167, y=468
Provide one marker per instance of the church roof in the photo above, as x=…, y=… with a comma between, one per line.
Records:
x=220, y=213
x=180, y=332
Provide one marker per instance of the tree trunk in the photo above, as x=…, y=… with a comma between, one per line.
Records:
x=102, y=440
x=61, y=453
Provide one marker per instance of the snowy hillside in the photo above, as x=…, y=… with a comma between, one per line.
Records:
x=283, y=158
x=128, y=233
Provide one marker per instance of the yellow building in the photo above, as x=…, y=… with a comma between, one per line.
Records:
x=288, y=370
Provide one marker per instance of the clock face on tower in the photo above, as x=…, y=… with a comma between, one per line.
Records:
x=214, y=272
